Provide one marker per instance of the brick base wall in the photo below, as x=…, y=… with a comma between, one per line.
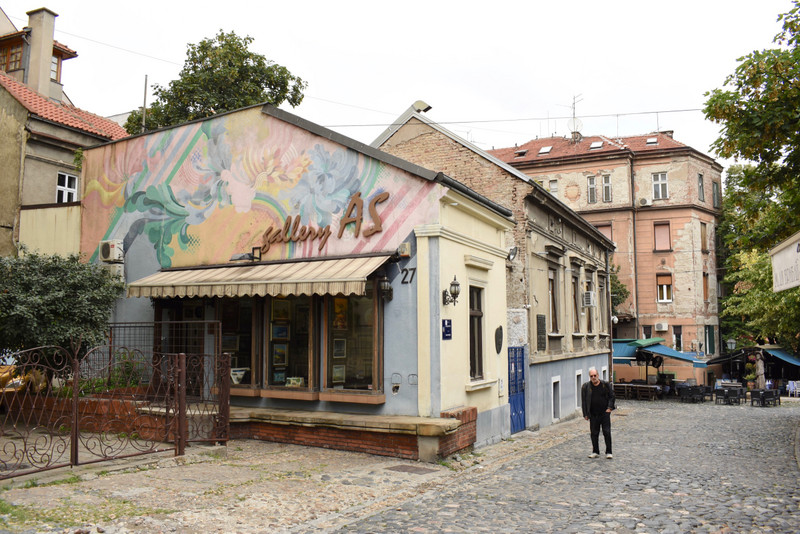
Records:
x=465, y=436
x=379, y=443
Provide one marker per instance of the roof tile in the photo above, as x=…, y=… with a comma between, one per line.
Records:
x=565, y=147
x=60, y=112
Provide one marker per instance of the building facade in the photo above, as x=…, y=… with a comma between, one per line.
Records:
x=40, y=132
x=557, y=277
x=659, y=201
x=354, y=289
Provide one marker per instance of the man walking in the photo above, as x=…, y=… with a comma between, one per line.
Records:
x=597, y=401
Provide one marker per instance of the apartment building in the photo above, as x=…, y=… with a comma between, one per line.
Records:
x=659, y=201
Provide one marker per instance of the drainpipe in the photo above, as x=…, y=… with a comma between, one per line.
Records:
x=635, y=253
x=609, y=314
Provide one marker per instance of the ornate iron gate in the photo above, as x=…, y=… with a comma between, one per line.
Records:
x=516, y=387
x=68, y=407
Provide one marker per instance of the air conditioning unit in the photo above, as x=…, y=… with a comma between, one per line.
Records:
x=662, y=327
x=117, y=269
x=645, y=202
x=111, y=251
x=589, y=299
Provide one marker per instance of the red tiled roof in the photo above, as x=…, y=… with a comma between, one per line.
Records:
x=60, y=112
x=565, y=147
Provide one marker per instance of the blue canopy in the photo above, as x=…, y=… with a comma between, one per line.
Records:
x=663, y=350
x=623, y=353
x=783, y=355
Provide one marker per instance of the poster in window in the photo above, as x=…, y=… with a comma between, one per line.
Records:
x=280, y=310
x=279, y=331
x=340, y=313
x=338, y=374
x=280, y=354
x=339, y=348
x=279, y=377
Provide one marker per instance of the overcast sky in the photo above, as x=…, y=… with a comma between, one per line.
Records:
x=511, y=68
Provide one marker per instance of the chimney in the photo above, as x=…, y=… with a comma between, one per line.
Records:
x=42, y=24
x=668, y=133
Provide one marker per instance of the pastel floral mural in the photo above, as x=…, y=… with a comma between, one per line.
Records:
x=199, y=193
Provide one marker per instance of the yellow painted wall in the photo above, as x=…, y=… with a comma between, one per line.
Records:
x=52, y=230
x=472, y=248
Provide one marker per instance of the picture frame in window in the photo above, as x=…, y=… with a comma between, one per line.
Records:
x=280, y=309
x=230, y=342
x=340, y=306
x=279, y=331
x=339, y=348
x=279, y=376
x=338, y=374
x=280, y=354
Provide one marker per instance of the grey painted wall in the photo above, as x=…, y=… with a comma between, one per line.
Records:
x=541, y=408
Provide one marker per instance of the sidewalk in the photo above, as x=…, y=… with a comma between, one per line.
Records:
x=252, y=486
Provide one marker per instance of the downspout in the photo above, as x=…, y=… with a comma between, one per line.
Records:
x=635, y=253
x=609, y=324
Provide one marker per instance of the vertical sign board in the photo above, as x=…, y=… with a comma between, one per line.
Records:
x=786, y=264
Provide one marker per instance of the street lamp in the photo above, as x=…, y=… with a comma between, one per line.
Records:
x=731, y=344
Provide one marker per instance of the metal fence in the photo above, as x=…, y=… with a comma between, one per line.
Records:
x=135, y=395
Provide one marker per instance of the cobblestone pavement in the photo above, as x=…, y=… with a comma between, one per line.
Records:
x=676, y=468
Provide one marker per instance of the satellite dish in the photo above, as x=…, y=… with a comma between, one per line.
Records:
x=574, y=125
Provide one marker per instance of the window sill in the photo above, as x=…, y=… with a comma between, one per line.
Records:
x=290, y=393
x=662, y=250
x=478, y=385
x=664, y=302
x=591, y=335
x=557, y=335
x=578, y=334
x=352, y=397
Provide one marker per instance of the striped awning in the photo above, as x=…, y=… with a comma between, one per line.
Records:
x=345, y=276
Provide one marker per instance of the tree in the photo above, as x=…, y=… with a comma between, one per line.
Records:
x=53, y=300
x=219, y=74
x=619, y=292
x=752, y=222
x=760, y=117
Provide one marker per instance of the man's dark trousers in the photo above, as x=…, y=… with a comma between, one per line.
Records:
x=596, y=422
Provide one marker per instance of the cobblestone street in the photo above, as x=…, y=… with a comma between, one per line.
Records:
x=676, y=468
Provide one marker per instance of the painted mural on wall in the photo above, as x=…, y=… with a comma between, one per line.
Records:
x=202, y=192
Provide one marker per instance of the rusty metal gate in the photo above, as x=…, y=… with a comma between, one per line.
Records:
x=135, y=395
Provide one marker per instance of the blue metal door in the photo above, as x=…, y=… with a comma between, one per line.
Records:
x=516, y=387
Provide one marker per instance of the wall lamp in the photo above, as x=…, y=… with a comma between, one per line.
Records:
x=512, y=253
x=451, y=295
x=253, y=255
x=385, y=287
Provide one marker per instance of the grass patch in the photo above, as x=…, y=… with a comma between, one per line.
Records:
x=72, y=479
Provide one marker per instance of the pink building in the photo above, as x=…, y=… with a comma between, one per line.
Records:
x=659, y=201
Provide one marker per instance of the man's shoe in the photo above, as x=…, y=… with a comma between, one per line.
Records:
x=594, y=455
x=608, y=456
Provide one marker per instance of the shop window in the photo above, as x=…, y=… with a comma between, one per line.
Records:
x=236, y=316
x=350, y=358
x=290, y=347
x=475, y=333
